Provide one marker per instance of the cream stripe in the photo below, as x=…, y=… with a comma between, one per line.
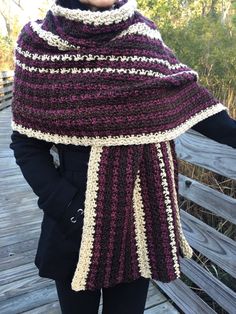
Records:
x=141, y=29
x=100, y=70
x=140, y=230
x=79, y=57
x=50, y=38
x=137, y=29
x=123, y=139
x=186, y=249
x=82, y=269
x=96, y=18
x=168, y=204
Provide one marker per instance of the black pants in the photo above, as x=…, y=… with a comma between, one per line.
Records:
x=124, y=298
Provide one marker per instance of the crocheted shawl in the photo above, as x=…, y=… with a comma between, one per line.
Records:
x=106, y=79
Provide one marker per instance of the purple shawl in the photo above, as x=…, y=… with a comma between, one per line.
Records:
x=107, y=80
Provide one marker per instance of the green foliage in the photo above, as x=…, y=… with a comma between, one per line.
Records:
x=163, y=12
x=202, y=34
x=208, y=46
x=6, y=56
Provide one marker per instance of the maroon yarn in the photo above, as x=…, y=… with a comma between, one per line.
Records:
x=151, y=108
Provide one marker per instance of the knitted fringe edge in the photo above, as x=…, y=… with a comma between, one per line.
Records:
x=79, y=281
x=169, y=209
x=123, y=139
x=140, y=230
x=85, y=253
x=184, y=246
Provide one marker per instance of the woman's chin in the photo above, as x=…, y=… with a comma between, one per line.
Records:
x=99, y=3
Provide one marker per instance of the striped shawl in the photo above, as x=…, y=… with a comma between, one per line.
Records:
x=106, y=79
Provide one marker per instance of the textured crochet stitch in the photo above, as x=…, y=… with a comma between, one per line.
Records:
x=106, y=79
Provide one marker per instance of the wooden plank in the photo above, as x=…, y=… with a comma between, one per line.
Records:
x=217, y=202
x=12, y=274
x=25, y=284
x=27, y=301
x=154, y=296
x=151, y=306
x=5, y=104
x=202, y=151
x=5, y=152
x=6, y=89
x=6, y=114
x=10, y=219
x=217, y=247
x=20, y=189
x=17, y=259
x=6, y=163
x=19, y=228
x=16, y=238
x=185, y=298
x=163, y=308
x=26, y=203
x=6, y=74
x=18, y=248
x=6, y=97
x=219, y=292
x=6, y=83
x=155, y=299
x=49, y=308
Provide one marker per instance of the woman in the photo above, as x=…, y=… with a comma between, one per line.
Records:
x=65, y=193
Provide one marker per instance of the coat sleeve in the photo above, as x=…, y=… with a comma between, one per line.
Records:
x=219, y=127
x=57, y=197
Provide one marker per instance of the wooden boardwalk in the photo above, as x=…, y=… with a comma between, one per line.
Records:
x=21, y=289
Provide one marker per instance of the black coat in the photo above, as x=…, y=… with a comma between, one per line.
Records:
x=61, y=191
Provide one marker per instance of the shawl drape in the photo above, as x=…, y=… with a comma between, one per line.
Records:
x=107, y=80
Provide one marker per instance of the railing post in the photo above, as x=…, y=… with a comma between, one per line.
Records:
x=6, y=86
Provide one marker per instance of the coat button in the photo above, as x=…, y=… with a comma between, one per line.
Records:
x=73, y=219
x=80, y=210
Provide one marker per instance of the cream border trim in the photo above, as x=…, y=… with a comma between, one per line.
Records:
x=83, y=265
x=139, y=28
x=131, y=71
x=105, y=17
x=168, y=203
x=50, y=38
x=184, y=245
x=123, y=139
x=90, y=57
x=140, y=230
x=142, y=29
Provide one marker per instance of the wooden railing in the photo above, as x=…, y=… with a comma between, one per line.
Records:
x=218, y=248
x=6, y=82
x=196, y=149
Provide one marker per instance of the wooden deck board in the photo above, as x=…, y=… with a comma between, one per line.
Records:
x=21, y=289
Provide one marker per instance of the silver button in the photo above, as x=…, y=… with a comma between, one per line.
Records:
x=80, y=210
x=73, y=219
